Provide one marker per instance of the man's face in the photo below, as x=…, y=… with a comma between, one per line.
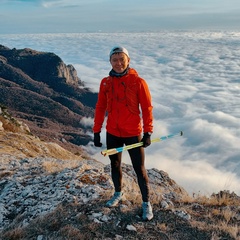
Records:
x=119, y=62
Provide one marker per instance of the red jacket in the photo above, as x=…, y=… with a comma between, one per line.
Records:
x=125, y=99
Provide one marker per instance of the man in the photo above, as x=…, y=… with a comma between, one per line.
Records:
x=122, y=95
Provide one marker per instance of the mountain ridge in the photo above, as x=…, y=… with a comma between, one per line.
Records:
x=41, y=90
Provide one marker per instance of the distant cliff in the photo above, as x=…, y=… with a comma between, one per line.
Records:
x=44, y=92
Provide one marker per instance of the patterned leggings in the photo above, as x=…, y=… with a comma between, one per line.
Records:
x=137, y=158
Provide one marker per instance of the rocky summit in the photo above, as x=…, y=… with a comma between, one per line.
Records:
x=47, y=192
x=34, y=187
x=48, y=198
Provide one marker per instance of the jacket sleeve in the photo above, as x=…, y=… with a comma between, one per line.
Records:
x=145, y=100
x=100, y=109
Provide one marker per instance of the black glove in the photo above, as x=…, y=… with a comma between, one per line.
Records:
x=97, y=142
x=146, y=139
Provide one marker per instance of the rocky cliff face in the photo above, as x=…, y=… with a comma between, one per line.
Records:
x=41, y=66
x=44, y=92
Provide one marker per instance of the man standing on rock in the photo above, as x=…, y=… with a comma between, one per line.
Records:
x=122, y=95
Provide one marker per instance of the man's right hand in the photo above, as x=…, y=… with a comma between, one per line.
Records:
x=97, y=140
x=146, y=139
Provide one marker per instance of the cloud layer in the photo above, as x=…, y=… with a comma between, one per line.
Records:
x=195, y=85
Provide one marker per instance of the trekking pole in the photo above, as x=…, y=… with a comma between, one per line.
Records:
x=112, y=151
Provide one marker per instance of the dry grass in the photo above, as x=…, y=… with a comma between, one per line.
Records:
x=54, y=167
x=22, y=145
x=74, y=221
x=17, y=140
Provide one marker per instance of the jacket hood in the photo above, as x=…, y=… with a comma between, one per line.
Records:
x=132, y=71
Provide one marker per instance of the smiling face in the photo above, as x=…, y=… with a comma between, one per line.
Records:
x=119, y=62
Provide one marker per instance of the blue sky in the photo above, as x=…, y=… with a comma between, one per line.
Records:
x=66, y=16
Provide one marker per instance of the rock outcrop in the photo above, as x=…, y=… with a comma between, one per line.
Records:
x=48, y=198
x=45, y=93
x=33, y=187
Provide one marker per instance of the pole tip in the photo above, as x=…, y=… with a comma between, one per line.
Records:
x=103, y=153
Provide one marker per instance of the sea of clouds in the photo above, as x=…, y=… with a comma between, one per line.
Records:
x=194, y=78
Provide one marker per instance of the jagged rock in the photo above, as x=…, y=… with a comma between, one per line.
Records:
x=33, y=187
x=131, y=228
x=164, y=204
x=182, y=214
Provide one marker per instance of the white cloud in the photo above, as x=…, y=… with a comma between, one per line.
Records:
x=196, y=176
x=87, y=121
